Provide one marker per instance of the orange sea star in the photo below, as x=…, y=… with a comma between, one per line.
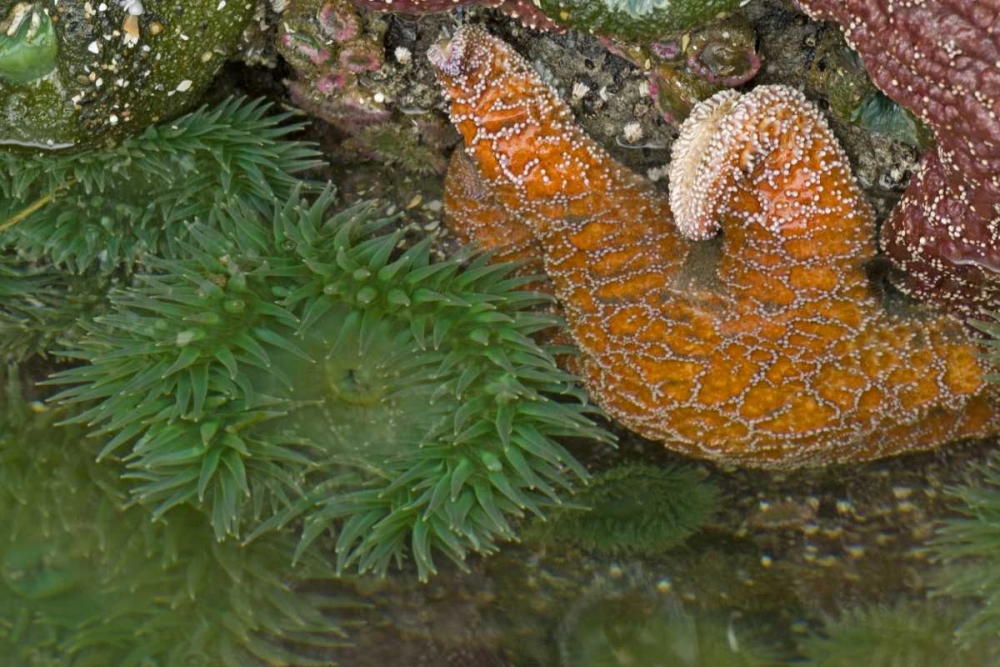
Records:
x=786, y=358
x=473, y=214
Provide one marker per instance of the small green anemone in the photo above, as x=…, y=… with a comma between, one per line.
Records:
x=648, y=629
x=87, y=581
x=28, y=44
x=111, y=208
x=634, y=508
x=969, y=549
x=915, y=635
x=303, y=366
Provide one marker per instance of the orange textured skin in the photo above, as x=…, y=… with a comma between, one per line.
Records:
x=787, y=359
x=474, y=216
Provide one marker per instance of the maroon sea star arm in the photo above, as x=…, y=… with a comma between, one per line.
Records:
x=941, y=59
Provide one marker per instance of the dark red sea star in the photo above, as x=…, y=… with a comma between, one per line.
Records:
x=940, y=59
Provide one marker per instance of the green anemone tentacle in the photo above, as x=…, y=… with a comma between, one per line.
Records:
x=301, y=366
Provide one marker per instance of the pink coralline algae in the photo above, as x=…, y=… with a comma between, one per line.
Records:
x=784, y=357
x=328, y=44
x=940, y=59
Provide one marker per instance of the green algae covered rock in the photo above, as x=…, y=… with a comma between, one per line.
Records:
x=635, y=19
x=75, y=73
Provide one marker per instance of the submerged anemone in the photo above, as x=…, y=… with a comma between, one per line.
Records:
x=634, y=508
x=622, y=629
x=112, y=207
x=42, y=307
x=915, y=635
x=86, y=580
x=303, y=366
x=968, y=549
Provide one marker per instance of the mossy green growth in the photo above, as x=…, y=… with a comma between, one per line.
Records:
x=106, y=209
x=86, y=581
x=635, y=20
x=634, y=508
x=915, y=635
x=301, y=366
x=72, y=76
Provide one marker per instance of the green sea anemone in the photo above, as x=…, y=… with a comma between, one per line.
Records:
x=634, y=508
x=648, y=629
x=969, y=549
x=42, y=307
x=85, y=580
x=111, y=207
x=28, y=44
x=303, y=366
x=914, y=635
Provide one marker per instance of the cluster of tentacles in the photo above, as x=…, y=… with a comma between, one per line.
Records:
x=779, y=356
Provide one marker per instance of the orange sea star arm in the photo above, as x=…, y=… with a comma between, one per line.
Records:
x=789, y=360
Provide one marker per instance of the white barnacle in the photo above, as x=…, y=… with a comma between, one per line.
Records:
x=133, y=7
x=632, y=132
